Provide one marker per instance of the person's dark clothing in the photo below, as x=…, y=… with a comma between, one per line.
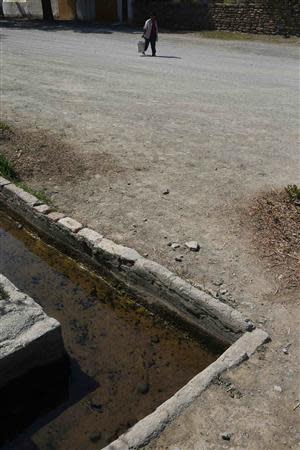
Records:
x=153, y=34
x=151, y=41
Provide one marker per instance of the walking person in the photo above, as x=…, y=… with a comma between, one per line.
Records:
x=151, y=34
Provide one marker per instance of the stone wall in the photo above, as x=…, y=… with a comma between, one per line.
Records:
x=251, y=16
x=259, y=16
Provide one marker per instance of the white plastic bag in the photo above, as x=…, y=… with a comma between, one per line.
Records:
x=141, y=46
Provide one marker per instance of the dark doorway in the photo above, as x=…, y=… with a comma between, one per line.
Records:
x=47, y=10
x=125, y=11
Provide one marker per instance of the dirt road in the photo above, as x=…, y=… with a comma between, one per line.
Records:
x=214, y=123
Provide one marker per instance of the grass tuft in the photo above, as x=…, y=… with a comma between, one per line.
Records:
x=3, y=294
x=7, y=169
x=4, y=126
x=38, y=193
x=293, y=192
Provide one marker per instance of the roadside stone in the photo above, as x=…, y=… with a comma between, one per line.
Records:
x=165, y=192
x=43, y=209
x=193, y=246
x=285, y=349
x=226, y=436
x=70, y=224
x=174, y=246
x=28, y=337
x=56, y=216
x=179, y=258
x=23, y=195
x=4, y=182
x=90, y=235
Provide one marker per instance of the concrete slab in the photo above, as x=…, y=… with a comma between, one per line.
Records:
x=28, y=337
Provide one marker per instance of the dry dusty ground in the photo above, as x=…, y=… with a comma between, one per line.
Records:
x=106, y=132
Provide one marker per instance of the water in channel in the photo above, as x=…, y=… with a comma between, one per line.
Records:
x=124, y=361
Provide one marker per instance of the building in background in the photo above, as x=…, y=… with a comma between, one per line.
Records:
x=105, y=11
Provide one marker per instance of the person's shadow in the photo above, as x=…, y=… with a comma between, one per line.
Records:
x=161, y=56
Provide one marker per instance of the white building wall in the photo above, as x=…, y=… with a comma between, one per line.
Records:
x=23, y=8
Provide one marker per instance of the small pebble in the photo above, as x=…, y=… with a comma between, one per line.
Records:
x=226, y=436
x=175, y=245
x=223, y=291
x=285, y=350
x=277, y=388
x=193, y=246
x=165, y=191
x=179, y=258
x=218, y=283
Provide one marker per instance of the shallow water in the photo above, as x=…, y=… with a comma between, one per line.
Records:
x=124, y=360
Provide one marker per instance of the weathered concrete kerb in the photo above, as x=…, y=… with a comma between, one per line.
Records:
x=28, y=337
x=160, y=289
x=146, y=280
x=151, y=426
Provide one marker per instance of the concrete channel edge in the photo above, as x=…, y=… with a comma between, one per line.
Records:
x=158, y=286
x=147, y=280
x=152, y=425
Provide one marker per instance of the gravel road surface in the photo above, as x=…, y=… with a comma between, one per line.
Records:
x=214, y=122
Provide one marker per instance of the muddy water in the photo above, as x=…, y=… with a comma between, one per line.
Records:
x=124, y=361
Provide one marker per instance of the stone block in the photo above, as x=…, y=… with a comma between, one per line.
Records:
x=20, y=194
x=113, y=253
x=90, y=235
x=4, y=182
x=56, y=216
x=70, y=224
x=28, y=337
x=43, y=209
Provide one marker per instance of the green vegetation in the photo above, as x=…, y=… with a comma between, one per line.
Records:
x=7, y=170
x=4, y=126
x=3, y=293
x=293, y=192
x=38, y=193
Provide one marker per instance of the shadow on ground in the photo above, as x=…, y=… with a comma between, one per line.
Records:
x=77, y=27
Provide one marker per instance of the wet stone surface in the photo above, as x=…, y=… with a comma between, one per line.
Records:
x=124, y=361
